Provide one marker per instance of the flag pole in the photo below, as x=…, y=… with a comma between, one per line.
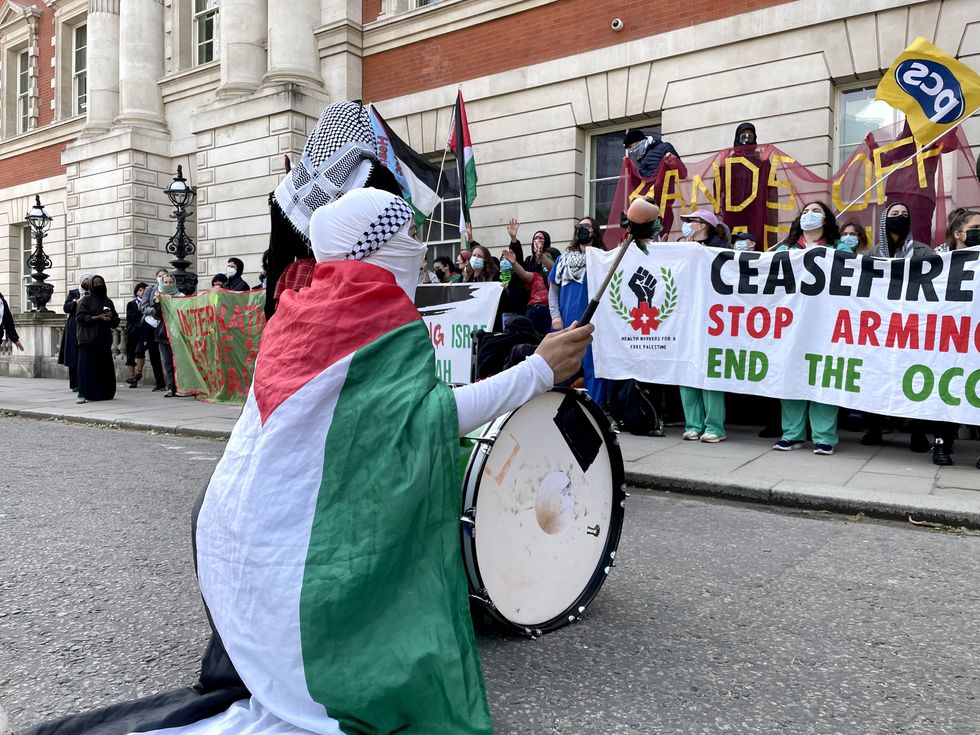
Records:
x=442, y=165
x=428, y=230
x=900, y=165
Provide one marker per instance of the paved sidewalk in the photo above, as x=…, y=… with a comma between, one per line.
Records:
x=887, y=481
x=132, y=408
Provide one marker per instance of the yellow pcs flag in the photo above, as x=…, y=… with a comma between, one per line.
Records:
x=935, y=91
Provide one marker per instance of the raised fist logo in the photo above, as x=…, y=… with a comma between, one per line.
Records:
x=644, y=285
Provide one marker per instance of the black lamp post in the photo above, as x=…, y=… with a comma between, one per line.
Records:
x=39, y=292
x=181, y=245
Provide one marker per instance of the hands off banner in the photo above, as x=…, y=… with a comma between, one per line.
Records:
x=215, y=338
x=452, y=313
x=889, y=336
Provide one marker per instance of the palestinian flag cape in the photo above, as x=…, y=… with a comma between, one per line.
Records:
x=327, y=540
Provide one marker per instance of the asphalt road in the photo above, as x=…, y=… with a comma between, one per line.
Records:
x=719, y=618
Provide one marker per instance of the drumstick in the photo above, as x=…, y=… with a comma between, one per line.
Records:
x=594, y=301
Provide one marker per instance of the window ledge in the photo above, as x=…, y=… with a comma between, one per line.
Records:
x=190, y=81
x=59, y=131
x=428, y=21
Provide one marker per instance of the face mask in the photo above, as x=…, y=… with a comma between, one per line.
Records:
x=159, y=282
x=638, y=149
x=100, y=290
x=85, y=288
x=505, y=266
x=583, y=234
x=811, y=220
x=687, y=230
x=972, y=237
x=742, y=245
x=849, y=241
x=746, y=139
x=644, y=230
x=231, y=271
x=898, y=226
x=476, y=264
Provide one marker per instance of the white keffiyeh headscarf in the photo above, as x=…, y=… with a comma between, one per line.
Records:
x=337, y=159
x=369, y=225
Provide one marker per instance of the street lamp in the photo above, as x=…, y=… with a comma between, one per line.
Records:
x=39, y=292
x=181, y=195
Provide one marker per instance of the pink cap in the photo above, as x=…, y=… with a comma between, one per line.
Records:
x=705, y=215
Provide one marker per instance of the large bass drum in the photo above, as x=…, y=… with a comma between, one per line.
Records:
x=543, y=496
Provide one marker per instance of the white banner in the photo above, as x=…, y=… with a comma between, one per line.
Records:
x=452, y=312
x=891, y=336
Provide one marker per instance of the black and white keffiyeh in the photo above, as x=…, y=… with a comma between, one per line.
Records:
x=391, y=220
x=570, y=267
x=337, y=158
x=883, y=250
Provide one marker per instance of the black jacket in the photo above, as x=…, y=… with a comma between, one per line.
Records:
x=515, y=296
x=7, y=324
x=68, y=352
x=237, y=284
x=650, y=163
x=134, y=316
x=95, y=332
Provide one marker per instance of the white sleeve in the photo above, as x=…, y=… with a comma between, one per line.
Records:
x=481, y=402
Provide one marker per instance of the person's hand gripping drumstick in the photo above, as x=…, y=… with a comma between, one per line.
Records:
x=641, y=215
x=564, y=350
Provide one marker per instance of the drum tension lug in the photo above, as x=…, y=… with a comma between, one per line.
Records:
x=483, y=598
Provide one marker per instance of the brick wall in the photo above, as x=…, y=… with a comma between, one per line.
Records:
x=45, y=70
x=370, y=10
x=556, y=30
x=32, y=166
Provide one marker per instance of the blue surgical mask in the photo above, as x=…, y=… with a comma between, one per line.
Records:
x=849, y=241
x=505, y=266
x=811, y=220
x=687, y=230
x=476, y=264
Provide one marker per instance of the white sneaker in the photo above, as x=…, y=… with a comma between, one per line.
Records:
x=712, y=438
x=691, y=436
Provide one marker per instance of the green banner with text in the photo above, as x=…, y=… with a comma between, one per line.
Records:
x=215, y=339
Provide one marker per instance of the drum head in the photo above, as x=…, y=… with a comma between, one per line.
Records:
x=546, y=501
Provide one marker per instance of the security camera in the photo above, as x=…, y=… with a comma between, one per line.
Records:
x=617, y=24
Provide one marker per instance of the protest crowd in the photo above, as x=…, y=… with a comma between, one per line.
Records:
x=548, y=288
x=545, y=290
x=86, y=340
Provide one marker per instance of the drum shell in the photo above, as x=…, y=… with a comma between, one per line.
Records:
x=605, y=488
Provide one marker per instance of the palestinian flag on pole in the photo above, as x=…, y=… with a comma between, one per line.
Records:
x=328, y=539
x=460, y=144
x=417, y=177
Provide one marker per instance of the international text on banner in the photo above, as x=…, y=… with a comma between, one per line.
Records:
x=215, y=339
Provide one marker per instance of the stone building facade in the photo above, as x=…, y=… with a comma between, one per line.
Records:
x=102, y=99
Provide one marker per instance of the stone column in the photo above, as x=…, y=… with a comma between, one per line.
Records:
x=293, y=53
x=141, y=64
x=103, y=65
x=340, y=41
x=243, y=34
